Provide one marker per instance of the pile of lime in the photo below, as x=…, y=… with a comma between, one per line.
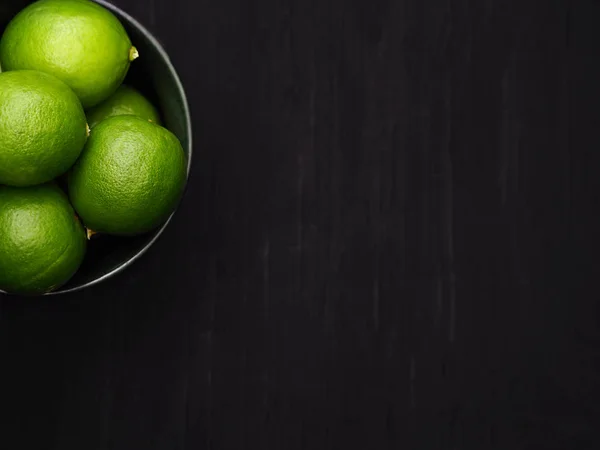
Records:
x=64, y=113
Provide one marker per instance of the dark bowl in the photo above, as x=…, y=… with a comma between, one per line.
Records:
x=154, y=75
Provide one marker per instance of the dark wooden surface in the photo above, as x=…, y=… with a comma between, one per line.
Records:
x=390, y=241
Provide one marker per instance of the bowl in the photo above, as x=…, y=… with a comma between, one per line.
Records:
x=152, y=74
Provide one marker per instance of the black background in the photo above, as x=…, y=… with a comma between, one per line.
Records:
x=389, y=241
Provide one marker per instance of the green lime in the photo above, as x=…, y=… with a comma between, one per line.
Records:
x=77, y=41
x=129, y=177
x=42, y=243
x=42, y=128
x=126, y=101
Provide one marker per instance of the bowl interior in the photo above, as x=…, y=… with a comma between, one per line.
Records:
x=153, y=74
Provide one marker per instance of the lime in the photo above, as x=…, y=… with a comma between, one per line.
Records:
x=42, y=243
x=78, y=41
x=129, y=177
x=126, y=101
x=42, y=128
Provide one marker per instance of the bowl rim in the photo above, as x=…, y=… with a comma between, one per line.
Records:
x=186, y=109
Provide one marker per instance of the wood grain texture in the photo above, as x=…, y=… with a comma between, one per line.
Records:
x=389, y=241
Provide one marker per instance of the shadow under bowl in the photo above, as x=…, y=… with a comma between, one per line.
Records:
x=152, y=74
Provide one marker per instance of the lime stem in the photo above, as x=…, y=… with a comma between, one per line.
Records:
x=89, y=233
x=133, y=54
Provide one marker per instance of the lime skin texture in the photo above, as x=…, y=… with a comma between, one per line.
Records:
x=129, y=178
x=78, y=41
x=42, y=128
x=42, y=242
x=125, y=101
